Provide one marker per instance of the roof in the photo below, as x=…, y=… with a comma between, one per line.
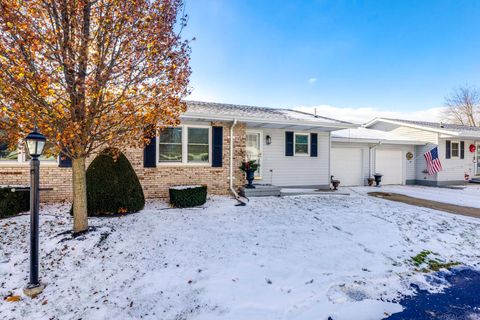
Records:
x=228, y=112
x=446, y=128
x=371, y=136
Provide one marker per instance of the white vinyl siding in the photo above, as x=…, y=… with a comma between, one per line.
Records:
x=294, y=171
x=454, y=169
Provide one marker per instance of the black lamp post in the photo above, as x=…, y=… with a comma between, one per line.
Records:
x=35, y=143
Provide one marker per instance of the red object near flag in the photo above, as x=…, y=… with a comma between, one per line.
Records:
x=433, y=162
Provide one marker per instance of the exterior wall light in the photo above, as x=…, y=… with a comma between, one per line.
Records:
x=268, y=139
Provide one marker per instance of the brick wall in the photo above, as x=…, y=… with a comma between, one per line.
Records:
x=155, y=181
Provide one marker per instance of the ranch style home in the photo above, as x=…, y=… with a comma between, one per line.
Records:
x=458, y=149
x=294, y=149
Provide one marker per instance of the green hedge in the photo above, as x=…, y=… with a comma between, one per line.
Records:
x=187, y=197
x=12, y=203
x=113, y=186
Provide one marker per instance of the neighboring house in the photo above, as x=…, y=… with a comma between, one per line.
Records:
x=292, y=147
x=457, y=158
x=359, y=153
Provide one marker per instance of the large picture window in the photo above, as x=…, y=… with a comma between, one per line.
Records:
x=301, y=144
x=170, y=145
x=198, y=146
x=8, y=154
x=184, y=144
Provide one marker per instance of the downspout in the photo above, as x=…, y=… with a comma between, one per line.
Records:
x=370, y=164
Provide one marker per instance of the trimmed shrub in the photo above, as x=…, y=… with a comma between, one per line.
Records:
x=188, y=196
x=112, y=185
x=12, y=203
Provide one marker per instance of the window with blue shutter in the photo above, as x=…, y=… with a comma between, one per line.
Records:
x=150, y=154
x=313, y=144
x=289, y=143
x=64, y=161
x=217, y=146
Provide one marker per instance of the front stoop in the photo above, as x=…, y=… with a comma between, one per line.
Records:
x=261, y=191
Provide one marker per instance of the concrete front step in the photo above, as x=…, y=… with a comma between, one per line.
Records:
x=261, y=191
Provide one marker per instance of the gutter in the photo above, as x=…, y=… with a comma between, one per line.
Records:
x=314, y=124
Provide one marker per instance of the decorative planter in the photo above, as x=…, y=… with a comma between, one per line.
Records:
x=250, y=175
x=335, y=183
x=370, y=181
x=378, y=179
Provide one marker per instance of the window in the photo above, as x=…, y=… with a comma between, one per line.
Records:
x=301, y=144
x=455, y=149
x=46, y=154
x=198, y=147
x=185, y=144
x=8, y=154
x=170, y=145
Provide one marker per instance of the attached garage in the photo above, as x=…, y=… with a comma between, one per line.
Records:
x=359, y=153
x=390, y=164
x=346, y=166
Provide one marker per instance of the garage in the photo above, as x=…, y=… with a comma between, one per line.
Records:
x=390, y=164
x=346, y=166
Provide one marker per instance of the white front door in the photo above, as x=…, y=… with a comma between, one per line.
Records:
x=477, y=166
x=254, y=149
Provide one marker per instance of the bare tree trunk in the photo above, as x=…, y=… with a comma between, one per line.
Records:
x=80, y=220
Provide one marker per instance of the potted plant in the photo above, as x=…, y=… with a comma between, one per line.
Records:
x=249, y=167
x=370, y=181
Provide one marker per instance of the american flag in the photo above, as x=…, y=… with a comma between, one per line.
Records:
x=433, y=162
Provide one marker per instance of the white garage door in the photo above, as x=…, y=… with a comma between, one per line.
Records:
x=346, y=166
x=389, y=163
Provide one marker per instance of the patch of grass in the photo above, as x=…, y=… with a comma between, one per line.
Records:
x=431, y=264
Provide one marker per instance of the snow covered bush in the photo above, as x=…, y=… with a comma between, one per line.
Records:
x=112, y=185
x=12, y=203
x=188, y=196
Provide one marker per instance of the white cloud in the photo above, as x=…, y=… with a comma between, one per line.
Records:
x=363, y=115
x=312, y=80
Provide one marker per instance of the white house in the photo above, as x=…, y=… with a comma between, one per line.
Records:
x=458, y=148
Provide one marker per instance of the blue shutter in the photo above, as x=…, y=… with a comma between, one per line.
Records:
x=462, y=149
x=447, y=149
x=64, y=161
x=313, y=145
x=150, y=154
x=217, y=146
x=289, y=143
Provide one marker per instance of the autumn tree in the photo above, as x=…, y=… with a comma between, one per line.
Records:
x=463, y=106
x=91, y=74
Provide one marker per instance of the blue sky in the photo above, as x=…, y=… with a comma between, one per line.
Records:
x=384, y=54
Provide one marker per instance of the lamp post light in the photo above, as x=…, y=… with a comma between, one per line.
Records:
x=35, y=143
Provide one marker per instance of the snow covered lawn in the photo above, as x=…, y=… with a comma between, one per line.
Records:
x=302, y=257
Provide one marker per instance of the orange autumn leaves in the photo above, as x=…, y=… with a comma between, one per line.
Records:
x=91, y=74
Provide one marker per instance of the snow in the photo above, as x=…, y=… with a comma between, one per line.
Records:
x=468, y=197
x=297, y=257
x=185, y=187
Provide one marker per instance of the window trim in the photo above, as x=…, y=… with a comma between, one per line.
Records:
x=295, y=134
x=184, y=161
x=22, y=159
x=181, y=145
x=451, y=149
